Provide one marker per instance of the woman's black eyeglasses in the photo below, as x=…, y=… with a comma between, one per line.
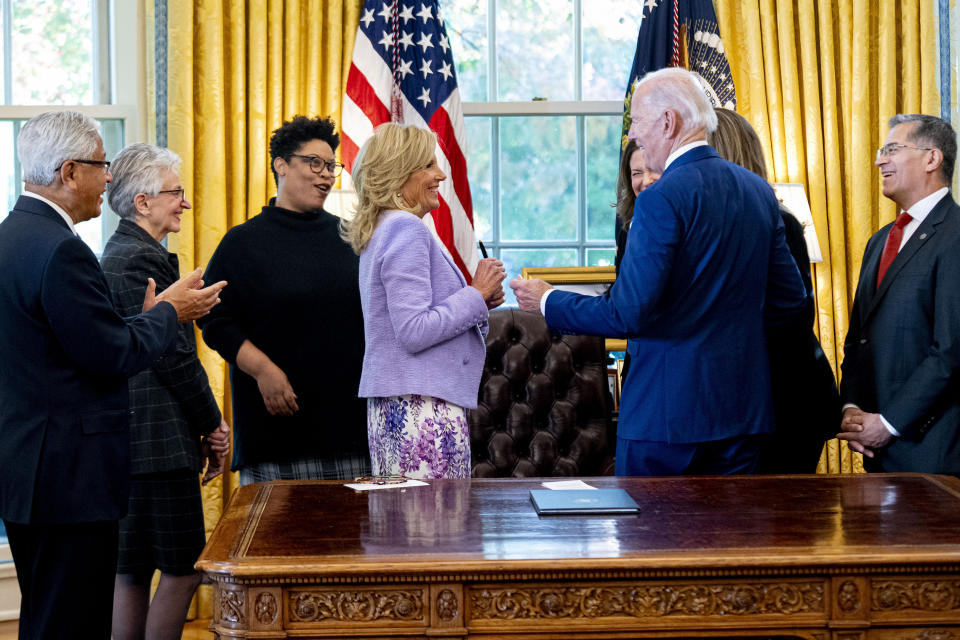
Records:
x=318, y=164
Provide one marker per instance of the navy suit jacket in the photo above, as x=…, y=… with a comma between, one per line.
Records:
x=706, y=264
x=65, y=356
x=902, y=350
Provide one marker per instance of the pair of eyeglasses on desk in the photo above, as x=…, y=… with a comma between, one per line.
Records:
x=385, y=479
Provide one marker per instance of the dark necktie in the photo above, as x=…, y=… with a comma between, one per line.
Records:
x=892, y=245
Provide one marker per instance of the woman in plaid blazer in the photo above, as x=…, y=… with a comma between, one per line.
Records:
x=175, y=422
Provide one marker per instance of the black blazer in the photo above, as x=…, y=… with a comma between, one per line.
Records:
x=806, y=403
x=171, y=402
x=65, y=356
x=902, y=351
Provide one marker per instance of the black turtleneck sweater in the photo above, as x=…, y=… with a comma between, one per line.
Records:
x=292, y=291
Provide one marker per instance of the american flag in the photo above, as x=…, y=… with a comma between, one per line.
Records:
x=402, y=71
x=681, y=33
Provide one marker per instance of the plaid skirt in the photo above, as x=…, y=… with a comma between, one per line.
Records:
x=339, y=468
x=164, y=527
x=418, y=437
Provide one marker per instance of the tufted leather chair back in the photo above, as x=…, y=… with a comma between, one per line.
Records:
x=543, y=408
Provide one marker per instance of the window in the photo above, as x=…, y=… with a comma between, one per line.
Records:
x=60, y=53
x=543, y=83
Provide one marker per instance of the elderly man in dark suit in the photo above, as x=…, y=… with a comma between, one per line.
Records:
x=901, y=365
x=705, y=268
x=65, y=356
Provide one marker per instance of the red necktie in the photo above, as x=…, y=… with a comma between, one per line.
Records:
x=892, y=246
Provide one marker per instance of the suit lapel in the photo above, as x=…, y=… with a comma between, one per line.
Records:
x=40, y=208
x=871, y=263
x=444, y=250
x=453, y=265
x=920, y=237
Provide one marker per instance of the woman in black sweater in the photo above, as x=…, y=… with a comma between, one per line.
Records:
x=291, y=327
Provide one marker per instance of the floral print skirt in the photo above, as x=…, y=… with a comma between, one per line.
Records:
x=418, y=436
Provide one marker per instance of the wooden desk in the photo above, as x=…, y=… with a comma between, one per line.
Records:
x=841, y=557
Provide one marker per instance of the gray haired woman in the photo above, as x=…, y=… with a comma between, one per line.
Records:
x=175, y=422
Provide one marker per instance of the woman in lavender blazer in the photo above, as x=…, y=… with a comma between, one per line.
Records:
x=424, y=325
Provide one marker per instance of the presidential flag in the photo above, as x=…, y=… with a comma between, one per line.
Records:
x=402, y=71
x=681, y=33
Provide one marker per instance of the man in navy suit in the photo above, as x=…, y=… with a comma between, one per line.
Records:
x=705, y=268
x=65, y=356
x=901, y=365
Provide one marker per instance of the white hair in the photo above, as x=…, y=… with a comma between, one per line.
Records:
x=48, y=140
x=138, y=169
x=682, y=91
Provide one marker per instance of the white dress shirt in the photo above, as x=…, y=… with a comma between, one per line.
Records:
x=919, y=212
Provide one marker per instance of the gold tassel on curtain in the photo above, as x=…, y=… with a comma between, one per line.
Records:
x=818, y=80
x=235, y=72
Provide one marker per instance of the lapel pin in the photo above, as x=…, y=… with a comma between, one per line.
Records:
x=923, y=236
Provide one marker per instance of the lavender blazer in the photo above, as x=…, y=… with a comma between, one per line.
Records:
x=424, y=326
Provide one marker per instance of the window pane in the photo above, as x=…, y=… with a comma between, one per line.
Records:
x=601, y=257
x=466, y=22
x=535, y=49
x=538, y=178
x=610, y=29
x=97, y=231
x=515, y=259
x=10, y=185
x=52, y=52
x=603, y=159
x=478, y=172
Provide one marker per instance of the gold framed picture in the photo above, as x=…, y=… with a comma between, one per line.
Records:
x=591, y=281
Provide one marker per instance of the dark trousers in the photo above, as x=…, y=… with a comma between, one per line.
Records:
x=66, y=574
x=718, y=457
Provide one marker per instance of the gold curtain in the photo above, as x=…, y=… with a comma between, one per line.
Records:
x=235, y=71
x=818, y=80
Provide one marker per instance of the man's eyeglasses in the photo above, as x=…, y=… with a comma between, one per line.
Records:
x=105, y=164
x=318, y=164
x=176, y=192
x=891, y=148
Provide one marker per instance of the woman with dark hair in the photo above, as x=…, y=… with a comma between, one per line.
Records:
x=633, y=178
x=291, y=328
x=805, y=397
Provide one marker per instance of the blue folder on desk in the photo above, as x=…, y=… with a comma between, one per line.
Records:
x=549, y=502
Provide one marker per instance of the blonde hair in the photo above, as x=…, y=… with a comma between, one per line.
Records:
x=736, y=141
x=383, y=165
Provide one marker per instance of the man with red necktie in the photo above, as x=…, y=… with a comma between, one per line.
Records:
x=901, y=369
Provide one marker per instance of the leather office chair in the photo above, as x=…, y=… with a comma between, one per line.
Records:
x=543, y=407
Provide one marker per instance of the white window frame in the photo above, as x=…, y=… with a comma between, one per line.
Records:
x=119, y=80
x=579, y=108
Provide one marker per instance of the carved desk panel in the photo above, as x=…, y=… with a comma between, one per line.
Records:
x=866, y=557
